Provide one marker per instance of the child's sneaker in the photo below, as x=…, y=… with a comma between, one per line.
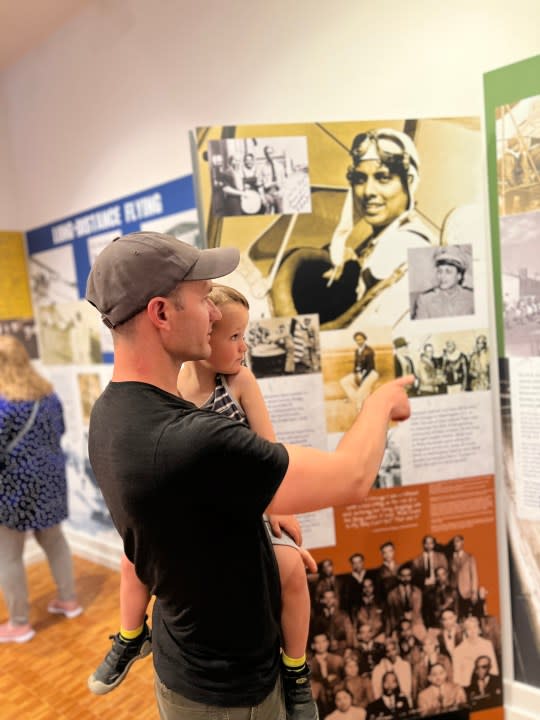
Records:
x=299, y=702
x=118, y=660
x=16, y=633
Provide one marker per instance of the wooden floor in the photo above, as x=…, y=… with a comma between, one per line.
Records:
x=45, y=679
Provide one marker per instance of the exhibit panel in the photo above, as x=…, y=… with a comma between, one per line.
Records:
x=363, y=256
x=68, y=339
x=512, y=121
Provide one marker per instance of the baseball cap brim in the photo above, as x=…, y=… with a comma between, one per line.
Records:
x=214, y=263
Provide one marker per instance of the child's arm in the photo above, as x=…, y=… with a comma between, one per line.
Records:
x=246, y=390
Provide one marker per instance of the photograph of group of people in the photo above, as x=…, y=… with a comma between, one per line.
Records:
x=520, y=283
x=283, y=346
x=445, y=363
x=259, y=176
x=404, y=638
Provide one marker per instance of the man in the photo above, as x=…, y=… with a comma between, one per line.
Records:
x=351, y=584
x=390, y=703
x=464, y=577
x=430, y=653
x=370, y=610
x=233, y=186
x=345, y=710
x=324, y=580
x=386, y=574
x=327, y=670
x=392, y=662
x=425, y=564
x=469, y=650
x=334, y=622
x=410, y=647
x=441, y=694
x=455, y=368
x=272, y=176
x=370, y=651
x=485, y=689
x=403, y=364
x=479, y=365
x=358, y=384
x=187, y=488
x=405, y=602
x=442, y=596
x=451, y=633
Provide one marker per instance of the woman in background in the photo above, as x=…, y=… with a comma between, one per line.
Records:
x=33, y=490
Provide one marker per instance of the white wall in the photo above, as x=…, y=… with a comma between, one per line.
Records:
x=104, y=107
x=8, y=207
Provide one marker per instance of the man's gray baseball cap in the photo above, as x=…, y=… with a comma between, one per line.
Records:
x=134, y=268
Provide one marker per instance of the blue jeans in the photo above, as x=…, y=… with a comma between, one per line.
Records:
x=173, y=706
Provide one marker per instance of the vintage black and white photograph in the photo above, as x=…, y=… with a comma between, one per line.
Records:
x=389, y=474
x=444, y=363
x=69, y=333
x=354, y=364
x=405, y=631
x=48, y=285
x=518, y=156
x=283, y=346
x=441, y=282
x=520, y=265
x=259, y=176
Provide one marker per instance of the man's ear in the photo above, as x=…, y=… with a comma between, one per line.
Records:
x=157, y=311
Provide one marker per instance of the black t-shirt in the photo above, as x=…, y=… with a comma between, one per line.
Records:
x=186, y=489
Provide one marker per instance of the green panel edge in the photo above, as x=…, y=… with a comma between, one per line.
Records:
x=504, y=85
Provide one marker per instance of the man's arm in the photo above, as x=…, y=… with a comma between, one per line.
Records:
x=316, y=479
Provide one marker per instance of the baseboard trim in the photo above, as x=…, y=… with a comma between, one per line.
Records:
x=521, y=702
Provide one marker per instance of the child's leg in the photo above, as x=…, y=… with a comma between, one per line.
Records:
x=133, y=642
x=134, y=599
x=295, y=602
x=295, y=613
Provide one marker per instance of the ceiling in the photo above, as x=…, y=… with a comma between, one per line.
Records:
x=24, y=24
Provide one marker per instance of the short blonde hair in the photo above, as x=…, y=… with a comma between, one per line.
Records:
x=19, y=381
x=223, y=294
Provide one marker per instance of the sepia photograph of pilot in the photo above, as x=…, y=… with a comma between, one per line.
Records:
x=441, y=282
x=259, y=176
x=377, y=189
x=353, y=366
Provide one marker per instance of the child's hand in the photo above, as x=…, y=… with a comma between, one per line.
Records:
x=307, y=559
x=289, y=523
